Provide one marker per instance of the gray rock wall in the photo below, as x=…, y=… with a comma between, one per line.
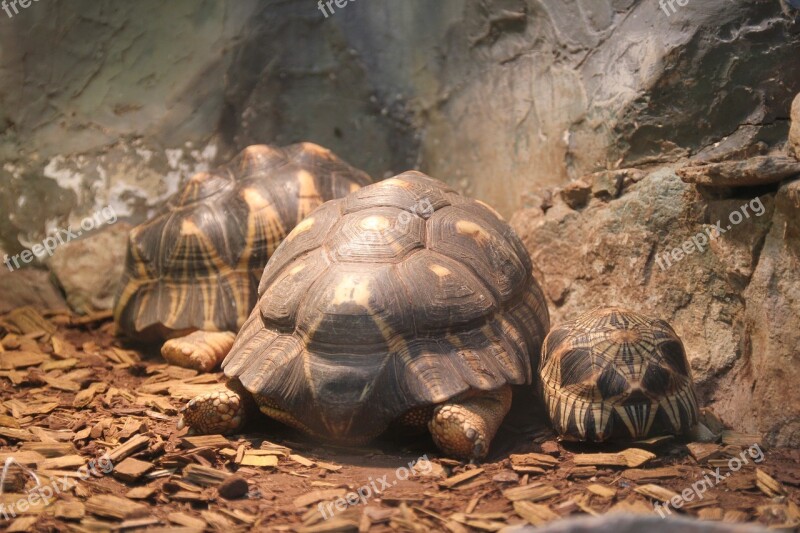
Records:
x=105, y=102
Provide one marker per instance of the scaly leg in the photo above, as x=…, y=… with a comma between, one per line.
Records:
x=223, y=411
x=465, y=428
x=201, y=350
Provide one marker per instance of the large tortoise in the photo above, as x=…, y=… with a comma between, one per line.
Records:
x=191, y=273
x=613, y=374
x=403, y=305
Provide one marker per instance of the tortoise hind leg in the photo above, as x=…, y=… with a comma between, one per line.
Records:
x=223, y=411
x=465, y=428
x=201, y=350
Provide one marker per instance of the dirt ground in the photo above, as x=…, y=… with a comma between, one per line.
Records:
x=72, y=393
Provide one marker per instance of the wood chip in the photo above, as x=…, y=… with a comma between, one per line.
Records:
x=711, y=513
x=204, y=476
x=601, y=490
x=12, y=360
x=733, y=516
x=632, y=458
x=301, y=460
x=535, y=514
x=49, y=449
x=85, y=397
x=183, y=519
x=131, y=469
x=132, y=446
x=140, y=493
x=69, y=510
x=534, y=493
x=768, y=485
x=109, y=506
x=205, y=441
x=702, y=451
x=461, y=478
x=656, y=492
x=262, y=461
x=664, y=472
x=534, y=459
x=66, y=461
x=22, y=524
x=318, y=496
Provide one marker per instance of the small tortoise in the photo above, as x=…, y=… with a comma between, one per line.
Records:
x=612, y=374
x=191, y=273
x=403, y=306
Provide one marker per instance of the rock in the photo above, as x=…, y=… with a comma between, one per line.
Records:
x=761, y=170
x=233, y=487
x=576, y=194
x=794, y=131
x=523, y=94
x=28, y=286
x=89, y=269
x=734, y=299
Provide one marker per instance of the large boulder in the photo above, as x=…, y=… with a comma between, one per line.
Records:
x=500, y=97
x=28, y=286
x=89, y=269
x=734, y=298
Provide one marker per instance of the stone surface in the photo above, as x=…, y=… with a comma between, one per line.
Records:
x=794, y=131
x=761, y=170
x=89, y=269
x=734, y=298
x=499, y=97
x=28, y=286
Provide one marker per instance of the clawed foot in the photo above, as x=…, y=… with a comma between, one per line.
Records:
x=219, y=412
x=201, y=350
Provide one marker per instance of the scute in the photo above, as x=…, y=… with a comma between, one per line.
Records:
x=391, y=323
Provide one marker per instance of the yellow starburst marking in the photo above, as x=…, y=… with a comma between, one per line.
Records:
x=302, y=227
x=254, y=199
x=189, y=228
x=394, y=182
x=375, y=223
x=440, y=270
x=309, y=198
x=352, y=289
x=465, y=227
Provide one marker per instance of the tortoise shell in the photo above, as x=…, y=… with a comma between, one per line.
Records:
x=612, y=374
x=197, y=263
x=402, y=295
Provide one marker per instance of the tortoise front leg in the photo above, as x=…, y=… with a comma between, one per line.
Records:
x=465, y=428
x=223, y=411
x=201, y=350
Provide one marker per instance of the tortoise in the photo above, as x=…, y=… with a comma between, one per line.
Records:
x=191, y=272
x=401, y=307
x=613, y=374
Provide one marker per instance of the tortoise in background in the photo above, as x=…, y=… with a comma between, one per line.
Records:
x=192, y=271
x=403, y=305
x=612, y=374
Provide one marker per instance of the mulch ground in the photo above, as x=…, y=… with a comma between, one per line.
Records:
x=90, y=425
